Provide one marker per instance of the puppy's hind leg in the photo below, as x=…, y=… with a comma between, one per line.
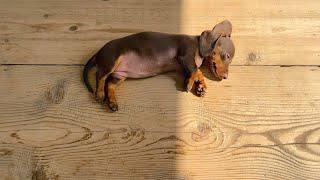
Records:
x=106, y=68
x=101, y=77
x=113, y=83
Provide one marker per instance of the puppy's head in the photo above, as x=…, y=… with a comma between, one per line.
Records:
x=222, y=55
x=217, y=49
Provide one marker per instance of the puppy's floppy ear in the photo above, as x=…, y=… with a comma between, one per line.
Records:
x=209, y=38
x=223, y=29
x=206, y=43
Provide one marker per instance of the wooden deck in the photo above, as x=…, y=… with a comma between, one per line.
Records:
x=261, y=123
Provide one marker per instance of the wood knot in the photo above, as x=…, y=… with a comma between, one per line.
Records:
x=253, y=57
x=203, y=131
x=6, y=152
x=278, y=29
x=139, y=134
x=39, y=173
x=56, y=94
x=73, y=28
x=5, y=68
x=87, y=135
x=46, y=16
x=15, y=135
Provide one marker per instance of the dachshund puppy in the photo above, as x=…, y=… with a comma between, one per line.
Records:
x=148, y=54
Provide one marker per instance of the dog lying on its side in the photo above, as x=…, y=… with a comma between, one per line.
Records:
x=148, y=54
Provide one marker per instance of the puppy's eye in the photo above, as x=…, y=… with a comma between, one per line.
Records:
x=226, y=57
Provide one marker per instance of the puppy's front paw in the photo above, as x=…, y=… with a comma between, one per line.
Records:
x=100, y=96
x=113, y=106
x=200, y=89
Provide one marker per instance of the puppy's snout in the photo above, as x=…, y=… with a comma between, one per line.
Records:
x=224, y=76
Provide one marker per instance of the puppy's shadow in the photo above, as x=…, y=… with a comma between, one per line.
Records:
x=179, y=80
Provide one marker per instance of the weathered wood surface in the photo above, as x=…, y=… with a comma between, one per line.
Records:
x=262, y=123
x=69, y=32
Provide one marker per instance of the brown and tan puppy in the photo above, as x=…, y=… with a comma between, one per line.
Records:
x=148, y=54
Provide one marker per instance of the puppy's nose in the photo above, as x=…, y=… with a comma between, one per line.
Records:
x=225, y=76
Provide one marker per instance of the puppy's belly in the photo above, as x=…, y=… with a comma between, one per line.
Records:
x=134, y=66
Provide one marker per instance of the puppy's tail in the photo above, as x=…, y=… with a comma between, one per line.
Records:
x=86, y=70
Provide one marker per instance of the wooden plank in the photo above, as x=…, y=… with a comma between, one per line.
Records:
x=69, y=32
x=165, y=162
x=263, y=122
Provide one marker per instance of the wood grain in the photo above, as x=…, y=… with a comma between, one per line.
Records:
x=69, y=32
x=262, y=123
